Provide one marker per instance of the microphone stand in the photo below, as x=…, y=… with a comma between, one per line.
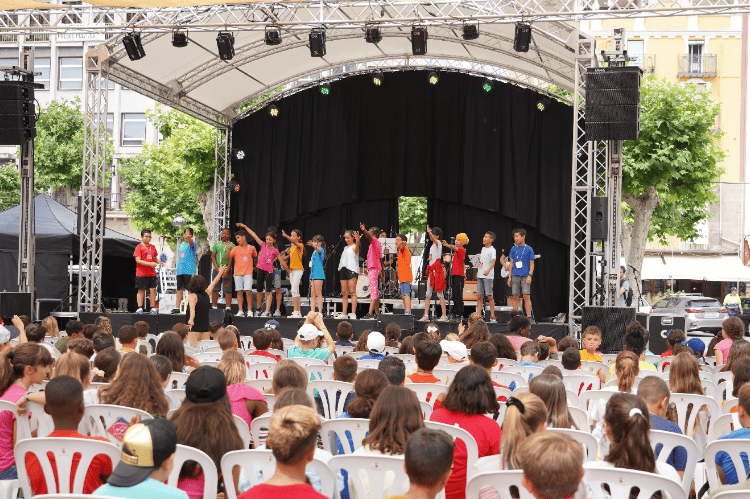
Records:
x=158, y=284
x=637, y=286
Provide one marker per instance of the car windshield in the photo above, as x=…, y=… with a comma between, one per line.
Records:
x=705, y=303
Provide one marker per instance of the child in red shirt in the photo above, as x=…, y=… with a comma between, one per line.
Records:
x=262, y=342
x=428, y=355
x=145, y=271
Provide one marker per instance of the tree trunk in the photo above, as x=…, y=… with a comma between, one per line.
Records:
x=206, y=200
x=643, y=208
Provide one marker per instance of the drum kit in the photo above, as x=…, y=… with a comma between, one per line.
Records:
x=388, y=286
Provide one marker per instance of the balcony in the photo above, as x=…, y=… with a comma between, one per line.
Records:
x=696, y=66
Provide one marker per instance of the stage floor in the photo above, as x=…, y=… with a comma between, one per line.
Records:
x=288, y=327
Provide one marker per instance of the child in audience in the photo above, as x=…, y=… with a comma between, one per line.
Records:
x=172, y=347
x=367, y=387
x=727, y=472
x=519, y=329
x=674, y=337
x=344, y=369
x=292, y=437
x=73, y=329
x=484, y=355
x=684, y=377
x=739, y=349
x=741, y=375
x=375, y=346
x=36, y=334
x=344, y=333
x=428, y=355
x=470, y=396
x=82, y=346
x=106, y=363
x=128, y=338
x=591, y=340
x=455, y=352
x=627, y=367
x=392, y=335
x=551, y=391
x=288, y=374
x=452, y=337
x=543, y=351
x=428, y=460
x=732, y=329
x=226, y=339
x=504, y=347
x=304, y=343
x=89, y=330
x=103, y=323
x=137, y=385
x=394, y=369
x=544, y=455
x=635, y=341
x=571, y=359
x=141, y=331
x=51, y=328
x=433, y=331
x=361, y=345
x=164, y=369
x=475, y=333
x=70, y=364
x=529, y=355
x=182, y=330
x=103, y=340
x=64, y=403
x=262, y=342
x=407, y=346
x=247, y=402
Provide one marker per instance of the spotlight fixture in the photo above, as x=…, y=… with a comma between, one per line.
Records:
x=372, y=33
x=471, y=31
x=378, y=78
x=179, y=38
x=132, y=43
x=418, y=40
x=317, y=43
x=238, y=154
x=488, y=85
x=542, y=104
x=273, y=111
x=325, y=89
x=225, y=44
x=273, y=35
x=522, y=37
x=433, y=78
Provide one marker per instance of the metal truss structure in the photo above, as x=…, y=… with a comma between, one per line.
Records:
x=222, y=175
x=26, y=242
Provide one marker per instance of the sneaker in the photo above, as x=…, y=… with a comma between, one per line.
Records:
x=249, y=313
x=340, y=316
x=531, y=321
x=240, y=313
x=424, y=318
x=443, y=319
x=266, y=314
x=352, y=316
x=174, y=311
x=493, y=320
x=154, y=311
x=407, y=313
x=221, y=301
x=368, y=317
x=139, y=311
x=277, y=313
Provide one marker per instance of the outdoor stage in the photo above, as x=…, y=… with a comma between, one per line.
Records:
x=288, y=327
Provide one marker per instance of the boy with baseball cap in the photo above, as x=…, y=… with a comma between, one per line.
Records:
x=147, y=459
x=455, y=351
x=375, y=346
x=306, y=342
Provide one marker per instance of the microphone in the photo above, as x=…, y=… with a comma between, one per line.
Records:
x=634, y=269
x=163, y=236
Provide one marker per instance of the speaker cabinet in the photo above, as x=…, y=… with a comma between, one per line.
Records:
x=17, y=112
x=659, y=326
x=598, y=221
x=45, y=306
x=14, y=304
x=612, y=321
x=522, y=38
x=613, y=103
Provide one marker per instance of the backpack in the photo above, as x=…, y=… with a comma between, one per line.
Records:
x=629, y=297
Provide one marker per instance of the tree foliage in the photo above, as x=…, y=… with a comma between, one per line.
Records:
x=412, y=214
x=170, y=177
x=10, y=186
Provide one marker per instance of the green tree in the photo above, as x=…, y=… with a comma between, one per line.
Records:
x=412, y=214
x=670, y=172
x=10, y=186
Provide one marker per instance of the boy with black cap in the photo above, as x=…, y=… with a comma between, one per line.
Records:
x=147, y=459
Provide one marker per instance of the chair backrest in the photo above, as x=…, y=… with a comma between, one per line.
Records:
x=669, y=442
x=270, y=399
x=210, y=474
x=391, y=350
x=367, y=364
x=729, y=494
x=724, y=389
x=579, y=383
x=177, y=380
x=527, y=372
x=23, y=427
x=689, y=423
x=332, y=395
x=343, y=350
x=621, y=482
x=507, y=484
x=724, y=425
x=590, y=445
x=177, y=396
x=209, y=356
x=445, y=375
x=259, y=430
x=426, y=409
x=736, y=448
x=404, y=356
x=662, y=361
x=472, y=449
x=257, y=359
x=593, y=366
x=100, y=417
x=711, y=389
x=261, y=384
x=502, y=392
x=38, y=420
x=572, y=398
x=317, y=373
x=720, y=376
x=580, y=417
x=279, y=353
x=63, y=450
x=207, y=343
x=243, y=429
x=357, y=355
x=344, y=434
x=261, y=371
x=376, y=468
x=506, y=378
x=587, y=399
x=213, y=350
x=259, y=465
x=305, y=361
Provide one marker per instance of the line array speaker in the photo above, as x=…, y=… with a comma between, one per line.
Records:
x=612, y=321
x=613, y=103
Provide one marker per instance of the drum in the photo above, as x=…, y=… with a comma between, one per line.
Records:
x=470, y=291
x=447, y=257
x=363, y=286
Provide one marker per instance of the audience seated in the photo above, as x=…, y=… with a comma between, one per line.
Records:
x=307, y=344
x=36, y=334
x=344, y=333
x=476, y=332
x=675, y=337
x=504, y=347
x=164, y=369
x=571, y=359
x=740, y=349
x=367, y=387
x=104, y=324
x=103, y=340
x=634, y=341
x=226, y=339
x=137, y=385
x=732, y=329
x=428, y=355
x=684, y=377
x=172, y=346
x=530, y=354
x=73, y=329
x=455, y=352
x=407, y=346
x=432, y=331
x=141, y=331
x=392, y=335
x=552, y=465
x=727, y=472
x=106, y=363
x=262, y=342
x=375, y=346
x=128, y=337
x=627, y=367
x=246, y=402
x=288, y=374
x=428, y=461
x=394, y=369
x=591, y=340
x=519, y=328
x=83, y=346
x=551, y=391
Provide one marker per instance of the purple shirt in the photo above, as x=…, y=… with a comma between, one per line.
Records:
x=374, y=254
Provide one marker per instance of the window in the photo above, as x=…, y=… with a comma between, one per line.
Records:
x=71, y=73
x=635, y=49
x=133, y=129
x=695, y=59
x=6, y=62
x=42, y=64
x=110, y=123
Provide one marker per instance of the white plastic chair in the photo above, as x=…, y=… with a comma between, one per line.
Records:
x=259, y=429
x=261, y=384
x=177, y=380
x=208, y=357
x=23, y=427
x=506, y=378
x=621, y=481
x=683, y=400
x=580, y=417
x=376, y=468
x=367, y=364
x=427, y=392
x=590, y=445
x=502, y=392
x=729, y=494
x=573, y=399
x=318, y=373
x=261, y=371
x=243, y=429
x=724, y=389
x=99, y=417
x=592, y=366
x=333, y=406
x=671, y=440
x=63, y=450
x=210, y=474
x=527, y=372
x=735, y=447
x=662, y=361
x=472, y=449
x=343, y=350
x=251, y=460
x=38, y=420
x=270, y=400
x=720, y=376
x=426, y=410
x=304, y=361
x=404, y=356
x=711, y=389
x=213, y=350
x=207, y=343
x=445, y=375
x=587, y=399
x=580, y=383
x=724, y=425
x=350, y=433
x=501, y=481
x=257, y=359
x=177, y=396
x=279, y=353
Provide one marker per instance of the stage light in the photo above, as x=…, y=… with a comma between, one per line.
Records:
x=471, y=31
x=273, y=35
x=179, y=38
x=378, y=78
x=273, y=110
x=132, y=43
x=522, y=37
x=418, y=40
x=238, y=154
x=542, y=104
x=372, y=34
x=225, y=44
x=488, y=85
x=317, y=43
x=433, y=78
x=325, y=89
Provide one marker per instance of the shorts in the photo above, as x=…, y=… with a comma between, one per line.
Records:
x=295, y=277
x=243, y=282
x=372, y=277
x=430, y=288
x=347, y=274
x=224, y=285
x=277, y=278
x=265, y=281
x=518, y=282
x=183, y=281
x=484, y=287
x=405, y=288
x=146, y=282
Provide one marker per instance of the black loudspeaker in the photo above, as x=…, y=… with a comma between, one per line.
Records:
x=658, y=327
x=613, y=103
x=598, y=222
x=79, y=213
x=612, y=321
x=45, y=306
x=17, y=113
x=14, y=304
x=522, y=39
x=422, y=290
x=405, y=322
x=642, y=318
x=418, y=40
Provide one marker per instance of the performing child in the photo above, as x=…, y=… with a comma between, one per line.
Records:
x=349, y=271
x=268, y=254
x=435, y=273
x=296, y=252
x=244, y=258
x=403, y=270
x=317, y=272
x=521, y=269
x=486, y=275
x=220, y=258
x=458, y=273
x=187, y=262
x=374, y=255
x=145, y=271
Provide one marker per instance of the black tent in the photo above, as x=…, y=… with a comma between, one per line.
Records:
x=56, y=240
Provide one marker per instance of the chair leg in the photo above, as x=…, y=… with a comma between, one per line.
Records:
x=8, y=487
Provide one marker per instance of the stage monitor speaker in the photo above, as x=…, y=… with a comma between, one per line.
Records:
x=613, y=103
x=14, y=304
x=612, y=322
x=599, y=218
x=45, y=306
x=405, y=322
x=659, y=326
x=422, y=290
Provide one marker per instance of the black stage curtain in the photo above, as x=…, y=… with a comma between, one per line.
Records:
x=453, y=143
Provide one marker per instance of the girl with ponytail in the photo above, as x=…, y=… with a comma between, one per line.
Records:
x=627, y=367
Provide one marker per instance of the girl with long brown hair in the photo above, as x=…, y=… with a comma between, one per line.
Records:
x=475, y=333
x=551, y=390
x=739, y=349
x=106, y=363
x=627, y=368
x=732, y=329
x=361, y=345
x=137, y=385
x=684, y=377
x=172, y=347
x=367, y=388
x=288, y=374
